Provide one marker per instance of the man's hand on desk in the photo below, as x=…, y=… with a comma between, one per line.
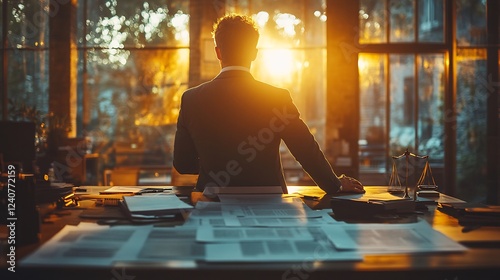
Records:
x=351, y=185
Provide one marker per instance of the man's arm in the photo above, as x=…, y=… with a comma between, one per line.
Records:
x=307, y=152
x=185, y=154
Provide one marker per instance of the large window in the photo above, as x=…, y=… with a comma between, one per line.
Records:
x=407, y=100
x=394, y=21
x=25, y=56
x=133, y=67
x=427, y=71
x=474, y=84
x=401, y=91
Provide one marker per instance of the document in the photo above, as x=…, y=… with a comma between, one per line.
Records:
x=277, y=251
x=171, y=244
x=215, y=191
x=390, y=238
x=85, y=245
x=103, y=246
x=256, y=199
x=279, y=221
x=291, y=210
x=241, y=234
x=121, y=190
x=155, y=206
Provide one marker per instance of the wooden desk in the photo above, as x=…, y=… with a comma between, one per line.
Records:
x=479, y=262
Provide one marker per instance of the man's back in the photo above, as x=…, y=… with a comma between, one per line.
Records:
x=232, y=127
x=229, y=129
x=234, y=122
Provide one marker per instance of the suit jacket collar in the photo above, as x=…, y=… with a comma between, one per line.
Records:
x=234, y=74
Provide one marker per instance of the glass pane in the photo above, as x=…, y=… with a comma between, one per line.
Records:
x=431, y=21
x=28, y=83
x=471, y=22
x=372, y=21
x=1, y=25
x=402, y=107
x=28, y=89
x=132, y=101
x=472, y=92
x=402, y=21
x=373, y=117
x=28, y=23
x=1, y=59
x=431, y=84
x=282, y=60
x=299, y=71
x=118, y=24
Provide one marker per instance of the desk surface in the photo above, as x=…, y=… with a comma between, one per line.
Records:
x=481, y=261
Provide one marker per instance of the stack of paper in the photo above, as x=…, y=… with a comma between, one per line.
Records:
x=154, y=206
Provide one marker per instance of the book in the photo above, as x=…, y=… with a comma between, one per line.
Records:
x=155, y=206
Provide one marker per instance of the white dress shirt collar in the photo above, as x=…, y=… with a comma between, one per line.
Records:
x=235, y=67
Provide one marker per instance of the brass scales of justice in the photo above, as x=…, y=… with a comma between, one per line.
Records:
x=424, y=185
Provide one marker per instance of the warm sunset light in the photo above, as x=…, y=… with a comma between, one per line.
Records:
x=279, y=63
x=312, y=139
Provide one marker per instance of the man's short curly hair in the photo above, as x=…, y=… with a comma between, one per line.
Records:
x=235, y=35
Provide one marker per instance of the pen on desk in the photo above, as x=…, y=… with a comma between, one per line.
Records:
x=310, y=197
x=153, y=190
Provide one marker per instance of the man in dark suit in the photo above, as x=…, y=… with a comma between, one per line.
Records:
x=229, y=129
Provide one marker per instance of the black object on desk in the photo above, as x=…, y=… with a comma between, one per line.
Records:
x=472, y=214
x=366, y=209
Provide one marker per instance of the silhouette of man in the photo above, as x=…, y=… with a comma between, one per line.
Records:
x=229, y=129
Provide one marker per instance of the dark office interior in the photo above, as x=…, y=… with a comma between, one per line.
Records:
x=90, y=90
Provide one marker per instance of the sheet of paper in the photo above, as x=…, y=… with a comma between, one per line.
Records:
x=85, y=246
x=277, y=251
x=143, y=204
x=390, y=238
x=371, y=196
x=236, y=221
x=212, y=213
x=121, y=190
x=104, y=246
x=256, y=199
x=238, y=234
x=215, y=191
x=169, y=244
x=292, y=210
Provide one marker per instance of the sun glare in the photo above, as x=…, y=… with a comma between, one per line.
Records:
x=278, y=63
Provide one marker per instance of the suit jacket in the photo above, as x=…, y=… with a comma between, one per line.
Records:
x=229, y=132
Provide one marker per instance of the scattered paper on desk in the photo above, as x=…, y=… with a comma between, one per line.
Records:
x=262, y=231
x=390, y=238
